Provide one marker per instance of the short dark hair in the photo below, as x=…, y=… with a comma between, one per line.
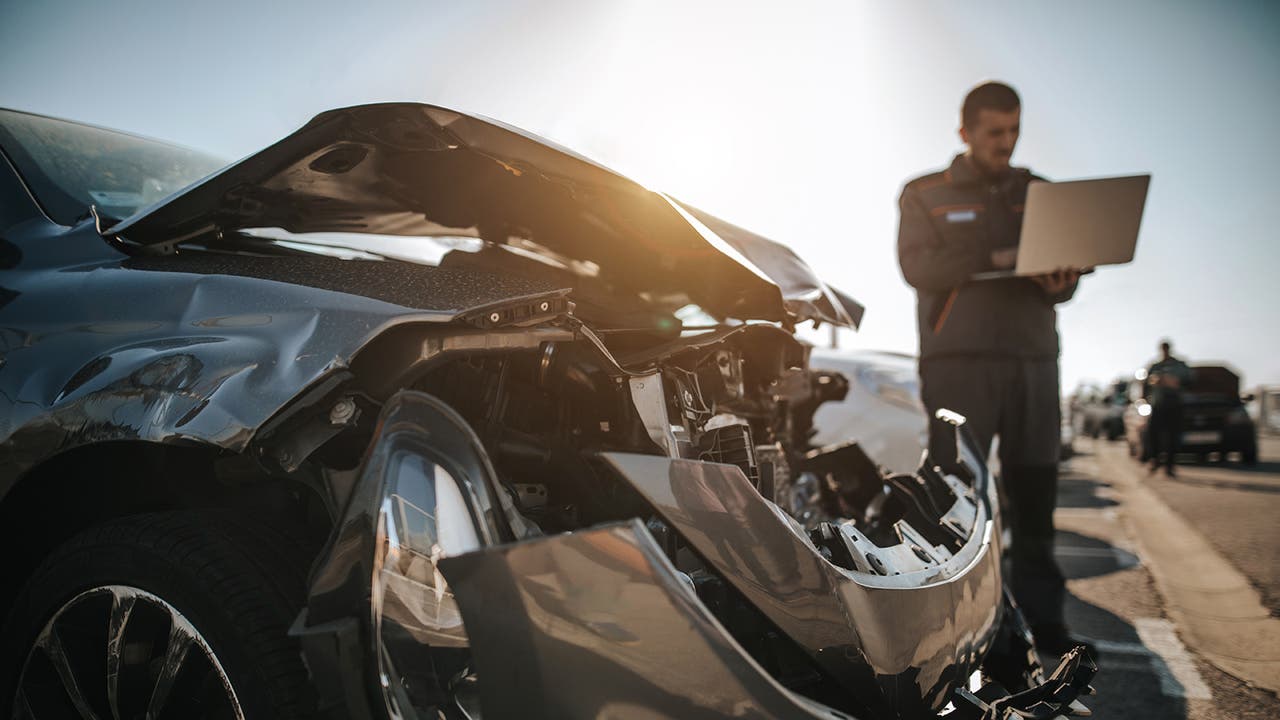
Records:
x=988, y=96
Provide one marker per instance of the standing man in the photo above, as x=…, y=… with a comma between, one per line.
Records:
x=1165, y=381
x=989, y=348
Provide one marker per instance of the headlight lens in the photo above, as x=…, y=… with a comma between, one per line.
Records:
x=419, y=635
x=1144, y=410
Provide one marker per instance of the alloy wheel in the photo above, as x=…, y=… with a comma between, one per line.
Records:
x=121, y=653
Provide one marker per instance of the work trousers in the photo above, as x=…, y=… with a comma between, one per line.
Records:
x=1016, y=399
x=1164, y=431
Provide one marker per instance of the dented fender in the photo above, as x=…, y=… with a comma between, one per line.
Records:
x=196, y=348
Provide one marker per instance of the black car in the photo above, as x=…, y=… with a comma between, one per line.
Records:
x=413, y=414
x=1214, y=418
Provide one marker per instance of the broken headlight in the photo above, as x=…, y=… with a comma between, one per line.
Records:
x=418, y=634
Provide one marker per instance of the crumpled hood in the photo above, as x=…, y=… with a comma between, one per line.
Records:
x=419, y=170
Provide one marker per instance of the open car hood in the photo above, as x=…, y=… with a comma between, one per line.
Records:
x=418, y=170
x=1213, y=382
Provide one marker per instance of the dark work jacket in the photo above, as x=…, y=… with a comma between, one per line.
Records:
x=951, y=221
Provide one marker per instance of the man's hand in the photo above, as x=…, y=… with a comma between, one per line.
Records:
x=1057, y=281
x=1004, y=259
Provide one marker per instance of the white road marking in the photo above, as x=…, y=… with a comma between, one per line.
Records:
x=1165, y=655
x=1179, y=671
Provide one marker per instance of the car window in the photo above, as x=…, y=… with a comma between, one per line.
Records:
x=69, y=166
x=15, y=206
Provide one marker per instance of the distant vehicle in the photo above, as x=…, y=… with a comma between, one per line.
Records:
x=1067, y=433
x=1268, y=409
x=1214, y=419
x=882, y=409
x=1100, y=411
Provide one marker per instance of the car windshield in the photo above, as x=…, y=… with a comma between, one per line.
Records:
x=69, y=166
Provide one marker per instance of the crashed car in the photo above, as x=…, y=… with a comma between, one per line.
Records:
x=413, y=414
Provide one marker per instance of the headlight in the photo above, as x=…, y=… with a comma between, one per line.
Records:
x=380, y=619
x=1144, y=410
x=417, y=627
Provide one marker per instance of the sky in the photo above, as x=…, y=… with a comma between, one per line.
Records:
x=801, y=123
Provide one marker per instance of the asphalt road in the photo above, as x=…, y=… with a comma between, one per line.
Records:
x=1147, y=668
x=1238, y=511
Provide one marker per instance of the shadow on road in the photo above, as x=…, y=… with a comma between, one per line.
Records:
x=1131, y=682
x=1081, y=556
x=1079, y=491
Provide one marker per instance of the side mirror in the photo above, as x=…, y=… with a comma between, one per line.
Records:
x=1248, y=398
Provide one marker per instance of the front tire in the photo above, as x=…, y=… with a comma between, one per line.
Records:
x=185, y=613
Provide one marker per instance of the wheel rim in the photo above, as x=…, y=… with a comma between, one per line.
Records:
x=118, y=653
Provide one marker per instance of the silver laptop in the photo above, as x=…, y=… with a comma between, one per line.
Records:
x=1078, y=224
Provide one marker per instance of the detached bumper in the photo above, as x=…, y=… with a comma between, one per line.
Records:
x=597, y=624
x=897, y=642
